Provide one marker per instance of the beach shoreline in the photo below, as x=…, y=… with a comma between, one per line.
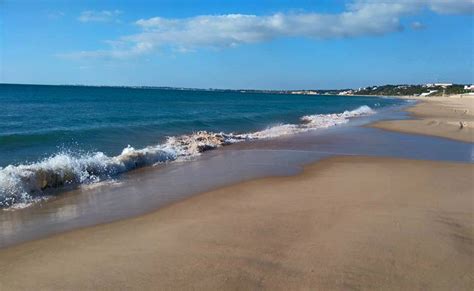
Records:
x=32, y=168
x=350, y=222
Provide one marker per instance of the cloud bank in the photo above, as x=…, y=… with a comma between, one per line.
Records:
x=361, y=18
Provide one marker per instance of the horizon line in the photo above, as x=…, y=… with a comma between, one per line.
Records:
x=222, y=89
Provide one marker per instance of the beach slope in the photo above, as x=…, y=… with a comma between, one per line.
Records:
x=343, y=223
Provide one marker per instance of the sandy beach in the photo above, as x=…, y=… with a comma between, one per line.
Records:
x=237, y=145
x=342, y=223
x=355, y=222
x=448, y=117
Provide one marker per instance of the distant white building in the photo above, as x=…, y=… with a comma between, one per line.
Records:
x=431, y=85
x=311, y=93
x=349, y=92
x=428, y=93
x=304, y=92
x=444, y=85
x=469, y=87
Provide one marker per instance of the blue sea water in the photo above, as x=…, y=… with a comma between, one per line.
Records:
x=55, y=135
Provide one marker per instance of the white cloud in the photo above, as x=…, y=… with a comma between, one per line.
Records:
x=99, y=16
x=361, y=18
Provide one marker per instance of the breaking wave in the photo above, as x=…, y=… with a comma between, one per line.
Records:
x=20, y=184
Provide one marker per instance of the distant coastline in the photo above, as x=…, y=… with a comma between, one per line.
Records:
x=400, y=90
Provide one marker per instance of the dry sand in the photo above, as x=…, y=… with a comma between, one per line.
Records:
x=449, y=117
x=344, y=223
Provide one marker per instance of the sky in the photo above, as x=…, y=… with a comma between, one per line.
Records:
x=247, y=44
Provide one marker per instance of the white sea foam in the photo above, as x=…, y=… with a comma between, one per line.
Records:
x=20, y=184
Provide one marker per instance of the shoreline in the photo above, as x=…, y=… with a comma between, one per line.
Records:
x=23, y=182
x=146, y=190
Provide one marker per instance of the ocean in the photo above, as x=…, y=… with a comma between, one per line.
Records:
x=52, y=137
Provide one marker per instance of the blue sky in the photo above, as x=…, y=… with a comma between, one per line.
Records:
x=237, y=44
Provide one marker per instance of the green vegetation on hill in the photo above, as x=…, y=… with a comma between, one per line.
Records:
x=401, y=90
x=456, y=89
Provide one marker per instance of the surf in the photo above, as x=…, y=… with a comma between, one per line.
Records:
x=26, y=183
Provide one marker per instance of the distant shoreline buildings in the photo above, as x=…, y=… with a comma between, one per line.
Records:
x=430, y=89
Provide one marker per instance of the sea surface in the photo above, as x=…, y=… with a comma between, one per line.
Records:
x=54, y=137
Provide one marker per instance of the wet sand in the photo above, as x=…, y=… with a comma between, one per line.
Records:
x=344, y=223
x=448, y=117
